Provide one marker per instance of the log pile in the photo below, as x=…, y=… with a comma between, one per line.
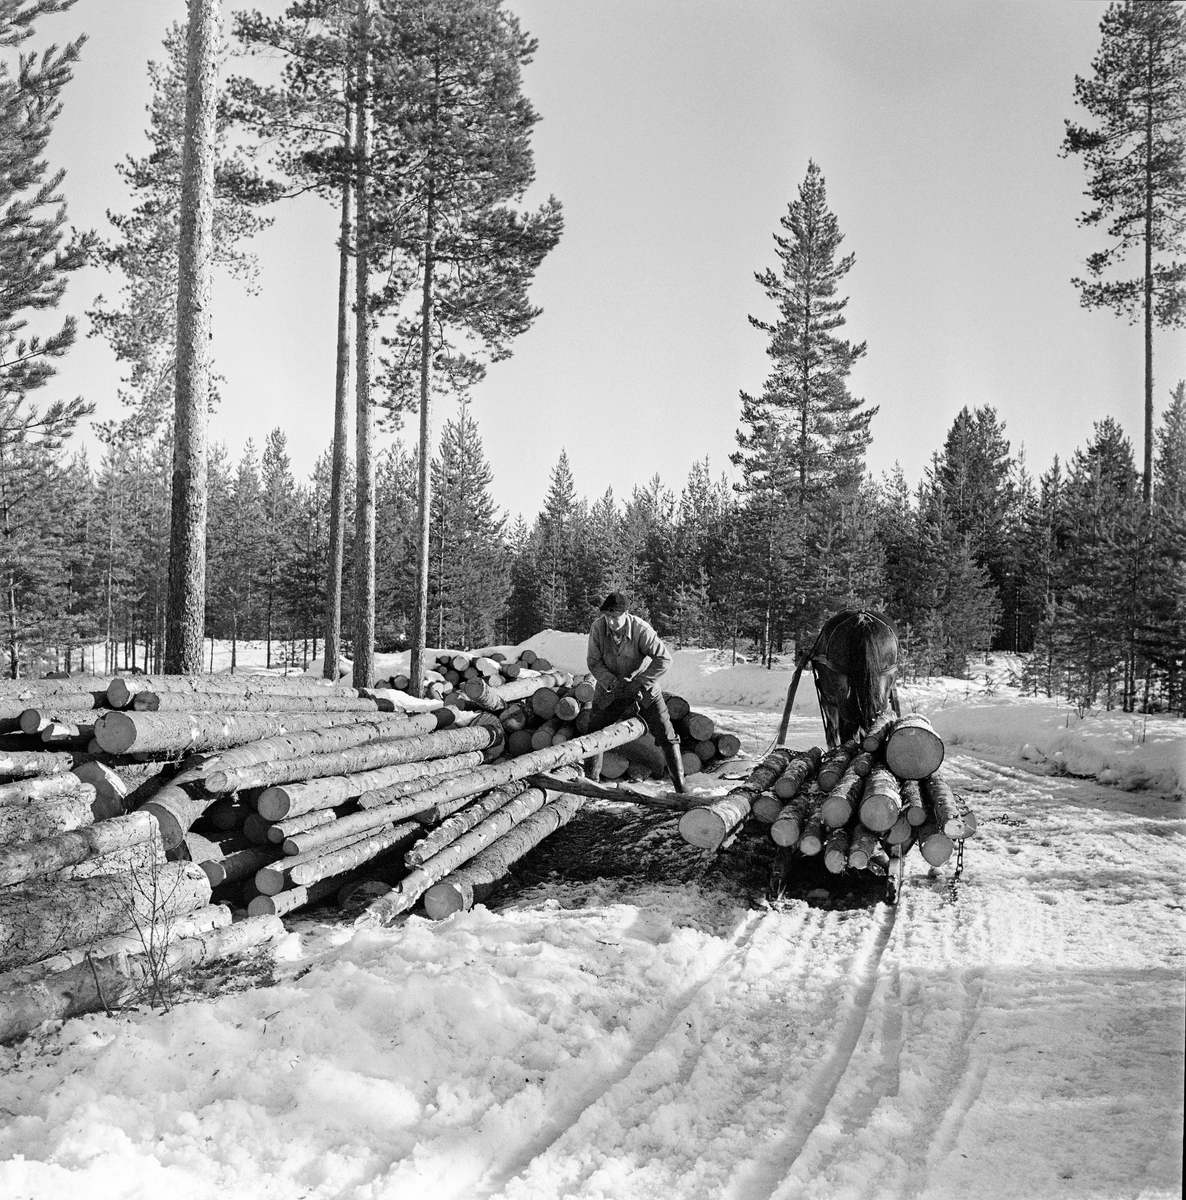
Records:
x=859, y=805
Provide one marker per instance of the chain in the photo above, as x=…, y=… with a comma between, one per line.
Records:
x=959, y=870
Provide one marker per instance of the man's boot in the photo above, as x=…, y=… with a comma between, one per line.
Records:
x=675, y=765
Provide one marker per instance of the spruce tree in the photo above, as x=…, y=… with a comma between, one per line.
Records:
x=1135, y=155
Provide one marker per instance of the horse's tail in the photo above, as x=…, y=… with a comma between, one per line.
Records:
x=874, y=654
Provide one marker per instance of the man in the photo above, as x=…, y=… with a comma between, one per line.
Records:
x=619, y=644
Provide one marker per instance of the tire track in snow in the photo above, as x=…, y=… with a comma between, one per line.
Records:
x=770, y=1173
x=734, y=950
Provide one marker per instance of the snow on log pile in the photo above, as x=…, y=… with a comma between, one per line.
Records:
x=859, y=804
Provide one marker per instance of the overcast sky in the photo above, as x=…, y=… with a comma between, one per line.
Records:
x=675, y=134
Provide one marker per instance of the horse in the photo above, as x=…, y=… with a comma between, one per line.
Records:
x=855, y=664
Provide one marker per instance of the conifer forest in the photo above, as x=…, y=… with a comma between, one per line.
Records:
x=1076, y=564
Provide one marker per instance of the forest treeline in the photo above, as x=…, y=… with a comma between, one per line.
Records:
x=1064, y=567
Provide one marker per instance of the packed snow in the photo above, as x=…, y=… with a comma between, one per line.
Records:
x=645, y=1032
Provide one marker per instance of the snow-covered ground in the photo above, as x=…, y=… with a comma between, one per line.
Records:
x=638, y=1035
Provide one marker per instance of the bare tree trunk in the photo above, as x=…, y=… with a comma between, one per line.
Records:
x=420, y=622
x=337, y=485
x=1147, y=473
x=364, y=503
x=187, y=541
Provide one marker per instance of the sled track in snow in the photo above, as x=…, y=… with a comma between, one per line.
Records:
x=645, y=1046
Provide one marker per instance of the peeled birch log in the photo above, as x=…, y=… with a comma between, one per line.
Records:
x=335, y=862
x=496, y=774
x=912, y=804
x=443, y=769
x=933, y=844
x=862, y=847
x=834, y=763
x=878, y=732
x=122, y=688
x=405, y=893
x=494, y=699
x=44, y=787
x=788, y=828
x=728, y=745
x=23, y=764
x=292, y=799
x=41, y=917
x=881, y=801
x=461, y=822
x=48, y=854
x=337, y=738
x=842, y=800
x=218, y=702
x=913, y=750
x=121, y=732
x=707, y=826
x=281, y=831
x=118, y=979
x=44, y=818
x=129, y=941
x=458, y=890
x=836, y=851
x=444, y=743
x=274, y=876
x=800, y=772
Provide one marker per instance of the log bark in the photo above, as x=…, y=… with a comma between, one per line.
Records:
x=405, y=894
x=390, y=752
x=48, y=854
x=442, y=769
x=66, y=707
x=789, y=826
x=949, y=814
x=212, y=916
x=25, y=764
x=118, y=979
x=811, y=842
x=43, y=818
x=834, y=764
x=836, y=851
x=23, y=792
x=41, y=917
x=878, y=732
x=881, y=801
x=914, y=750
x=227, y=702
x=281, y=831
x=491, y=698
x=337, y=738
x=912, y=804
x=274, y=877
x=842, y=800
x=61, y=733
x=799, y=773
x=461, y=822
x=459, y=890
x=123, y=688
x=708, y=826
x=334, y=862
x=485, y=778
x=121, y=732
x=862, y=847
x=292, y=799
x=111, y=790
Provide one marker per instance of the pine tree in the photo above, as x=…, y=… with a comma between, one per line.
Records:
x=1136, y=159
x=37, y=261
x=554, y=554
x=454, y=95
x=276, y=534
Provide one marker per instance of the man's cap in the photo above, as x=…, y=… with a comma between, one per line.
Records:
x=615, y=602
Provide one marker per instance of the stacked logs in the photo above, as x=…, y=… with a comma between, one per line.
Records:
x=703, y=745
x=858, y=805
x=456, y=668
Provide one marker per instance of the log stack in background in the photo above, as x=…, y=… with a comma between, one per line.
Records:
x=868, y=800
